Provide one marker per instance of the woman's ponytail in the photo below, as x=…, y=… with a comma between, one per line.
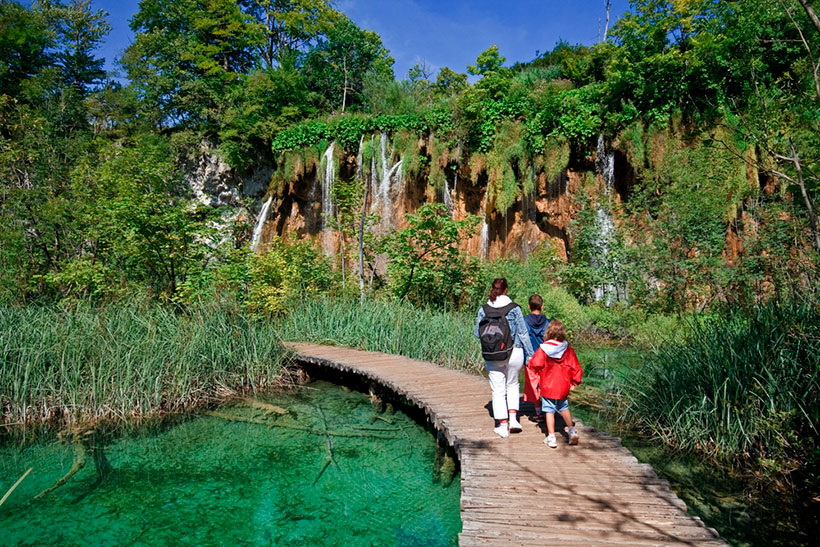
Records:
x=499, y=287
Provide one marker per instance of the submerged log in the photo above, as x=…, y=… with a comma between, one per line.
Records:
x=267, y=407
x=444, y=467
x=87, y=440
x=311, y=430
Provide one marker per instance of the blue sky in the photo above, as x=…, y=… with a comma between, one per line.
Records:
x=442, y=33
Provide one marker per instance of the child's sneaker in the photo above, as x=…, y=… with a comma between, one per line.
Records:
x=501, y=430
x=550, y=441
x=515, y=427
x=573, y=436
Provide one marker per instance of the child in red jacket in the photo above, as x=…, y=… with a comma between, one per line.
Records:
x=559, y=373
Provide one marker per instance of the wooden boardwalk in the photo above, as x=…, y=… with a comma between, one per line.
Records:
x=518, y=491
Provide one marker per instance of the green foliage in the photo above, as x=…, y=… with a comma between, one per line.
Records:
x=282, y=274
x=337, y=65
x=145, y=222
x=506, y=163
x=386, y=96
x=345, y=130
x=349, y=197
x=129, y=361
x=449, y=81
x=689, y=196
x=487, y=63
x=743, y=387
x=425, y=265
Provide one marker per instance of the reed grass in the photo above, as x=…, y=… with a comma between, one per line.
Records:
x=445, y=338
x=127, y=361
x=743, y=387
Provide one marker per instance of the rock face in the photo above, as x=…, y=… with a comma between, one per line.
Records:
x=215, y=184
x=300, y=206
x=298, y=210
x=545, y=216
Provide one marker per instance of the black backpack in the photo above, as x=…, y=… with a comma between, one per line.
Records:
x=494, y=333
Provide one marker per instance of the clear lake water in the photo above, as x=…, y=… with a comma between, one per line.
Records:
x=215, y=481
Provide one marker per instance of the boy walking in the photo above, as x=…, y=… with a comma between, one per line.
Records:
x=536, y=327
x=559, y=372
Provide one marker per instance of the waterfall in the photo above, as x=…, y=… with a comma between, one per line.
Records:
x=448, y=200
x=455, y=194
x=374, y=186
x=600, y=155
x=388, y=175
x=260, y=222
x=609, y=171
x=359, y=159
x=327, y=176
x=604, y=260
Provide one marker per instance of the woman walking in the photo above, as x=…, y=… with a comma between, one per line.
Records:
x=503, y=374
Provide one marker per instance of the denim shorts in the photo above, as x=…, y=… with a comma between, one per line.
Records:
x=551, y=406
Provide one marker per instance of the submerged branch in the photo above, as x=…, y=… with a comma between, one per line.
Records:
x=80, y=453
x=16, y=484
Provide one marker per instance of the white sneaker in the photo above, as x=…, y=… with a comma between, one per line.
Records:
x=501, y=430
x=515, y=427
x=573, y=436
x=550, y=441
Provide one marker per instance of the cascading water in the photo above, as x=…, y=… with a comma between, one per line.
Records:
x=455, y=195
x=448, y=199
x=604, y=259
x=389, y=175
x=327, y=172
x=260, y=222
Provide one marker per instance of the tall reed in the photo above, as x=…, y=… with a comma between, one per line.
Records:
x=126, y=361
x=743, y=387
x=445, y=338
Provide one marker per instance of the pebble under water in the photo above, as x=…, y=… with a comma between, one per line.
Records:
x=211, y=481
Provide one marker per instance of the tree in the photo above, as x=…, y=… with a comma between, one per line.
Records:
x=289, y=26
x=488, y=62
x=185, y=57
x=80, y=31
x=450, y=81
x=337, y=66
x=25, y=42
x=425, y=263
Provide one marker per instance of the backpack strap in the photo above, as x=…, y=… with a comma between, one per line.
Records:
x=490, y=311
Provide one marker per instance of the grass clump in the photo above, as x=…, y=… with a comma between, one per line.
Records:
x=445, y=338
x=123, y=363
x=742, y=388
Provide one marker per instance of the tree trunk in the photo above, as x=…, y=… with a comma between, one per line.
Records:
x=344, y=90
x=806, y=198
x=810, y=12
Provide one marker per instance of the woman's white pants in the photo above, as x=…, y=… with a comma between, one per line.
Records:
x=504, y=383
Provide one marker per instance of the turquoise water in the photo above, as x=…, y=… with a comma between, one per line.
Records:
x=211, y=481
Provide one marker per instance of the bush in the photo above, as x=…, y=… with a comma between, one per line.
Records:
x=741, y=387
x=525, y=279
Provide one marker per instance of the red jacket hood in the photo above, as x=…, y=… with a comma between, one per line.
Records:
x=557, y=375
